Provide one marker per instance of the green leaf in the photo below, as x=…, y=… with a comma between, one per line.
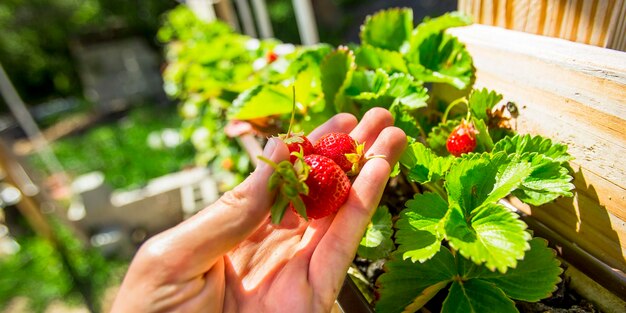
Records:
x=405, y=121
x=424, y=166
x=376, y=242
x=491, y=234
x=547, y=181
x=418, y=234
x=484, y=143
x=476, y=296
x=511, y=173
x=471, y=180
x=439, y=135
x=550, y=177
x=482, y=101
x=441, y=58
x=410, y=285
x=376, y=58
x=526, y=143
x=337, y=70
x=430, y=26
x=389, y=29
x=261, y=101
x=368, y=84
x=407, y=91
x=535, y=277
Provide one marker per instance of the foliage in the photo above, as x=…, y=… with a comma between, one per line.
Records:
x=456, y=234
x=129, y=152
x=42, y=272
x=35, y=37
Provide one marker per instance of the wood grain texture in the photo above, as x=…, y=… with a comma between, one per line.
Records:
x=575, y=94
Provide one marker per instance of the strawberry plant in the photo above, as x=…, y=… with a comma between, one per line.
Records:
x=442, y=229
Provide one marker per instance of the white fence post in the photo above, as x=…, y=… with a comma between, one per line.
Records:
x=262, y=18
x=203, y=9
x=306, y=22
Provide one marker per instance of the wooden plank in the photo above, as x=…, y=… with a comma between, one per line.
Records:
x=576, y=94
x=534, y=17
x=501, y=6
x=585, y=23
x=488, y=13
x=600, y=234
x=597, y=31
x=616, y=13
x=554, y=15
x=520, y=14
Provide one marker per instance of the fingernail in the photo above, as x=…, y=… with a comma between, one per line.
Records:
x=270, y=146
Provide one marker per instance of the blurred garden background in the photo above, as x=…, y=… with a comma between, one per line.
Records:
x=111, y=121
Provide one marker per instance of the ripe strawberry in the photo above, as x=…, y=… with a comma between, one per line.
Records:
x=342, y=149
x=314, y=186
x=462, y=139
x=271, y=56
x=295, y=142
x=328, y=187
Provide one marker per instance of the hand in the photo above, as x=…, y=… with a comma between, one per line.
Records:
x=230, y=258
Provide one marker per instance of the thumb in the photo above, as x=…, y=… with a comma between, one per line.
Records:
x=195, y=244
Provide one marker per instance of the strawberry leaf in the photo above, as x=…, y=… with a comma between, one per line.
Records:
x=550, y=176
x=520, y=144
x=424, y=165
x=376, y=58
x=405, y=121
x=389, y=29
x=418, y=234
x=407, y=91
x=471, y=180
x=406, y=286
x=439, y=135
x=368, y=84
x=548, y=181
x=534, y=278
x=261, y=101
x=476, y=296
x=482, y=101
x=430, y=26
x=376, y=242
x=441, y=58
x=491, y=234
x=484, y=143
x=336, y=70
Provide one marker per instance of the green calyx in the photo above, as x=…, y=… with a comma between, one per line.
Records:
x=358, y=160
x=289, y=182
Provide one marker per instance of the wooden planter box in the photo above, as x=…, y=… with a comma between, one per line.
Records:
x=575, y=94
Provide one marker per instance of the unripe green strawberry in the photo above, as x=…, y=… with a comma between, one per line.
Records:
x=328, y=186
x=342, y=149
x=462, y=139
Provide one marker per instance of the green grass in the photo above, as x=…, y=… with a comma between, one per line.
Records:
x=120, y=149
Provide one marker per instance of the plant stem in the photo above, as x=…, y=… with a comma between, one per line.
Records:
x=434, y=187
x=453, y=104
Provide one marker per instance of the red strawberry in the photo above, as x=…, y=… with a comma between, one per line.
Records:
x=328, y=187
x=342, y=149
x=295, y=142
x=314, y=186
x=462, y=139
x=271, y=56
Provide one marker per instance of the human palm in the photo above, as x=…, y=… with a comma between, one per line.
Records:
x=230, y=258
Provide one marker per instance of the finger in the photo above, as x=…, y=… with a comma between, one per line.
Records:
x=373, y=122
x=337, y=248
x=193, y=246
x=340, y=123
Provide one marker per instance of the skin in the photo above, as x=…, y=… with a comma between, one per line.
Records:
x=230, y=258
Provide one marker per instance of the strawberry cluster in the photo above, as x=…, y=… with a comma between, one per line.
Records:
x=314, y=182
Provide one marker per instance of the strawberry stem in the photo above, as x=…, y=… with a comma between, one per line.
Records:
x=453, y=104
x=293, y=110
